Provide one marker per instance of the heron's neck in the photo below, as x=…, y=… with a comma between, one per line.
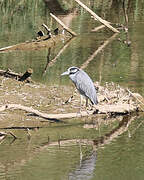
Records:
x=73, y=77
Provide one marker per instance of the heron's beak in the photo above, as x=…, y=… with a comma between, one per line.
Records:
x=65, y=73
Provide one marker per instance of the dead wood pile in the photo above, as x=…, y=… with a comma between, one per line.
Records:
x=117, y=100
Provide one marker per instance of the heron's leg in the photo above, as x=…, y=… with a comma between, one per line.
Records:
x=88, y=105
x=86, y=102
x=81, y=101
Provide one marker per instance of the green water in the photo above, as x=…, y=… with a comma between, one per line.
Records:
x=28, y=159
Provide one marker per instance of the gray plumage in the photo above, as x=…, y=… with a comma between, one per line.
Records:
x=83, y=83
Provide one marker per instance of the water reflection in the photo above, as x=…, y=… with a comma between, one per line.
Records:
x=51, y=62
x=54, y=7
x=78, y=156
x=85, y=170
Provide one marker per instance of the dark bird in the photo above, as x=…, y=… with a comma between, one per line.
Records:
x=83, y=83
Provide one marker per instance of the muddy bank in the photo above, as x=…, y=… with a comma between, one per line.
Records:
x=59, y=102
x=41, y=97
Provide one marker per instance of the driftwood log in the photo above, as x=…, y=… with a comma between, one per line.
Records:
x=51, y=117
x=101, y=109
x=44, y=42
x=20, y=77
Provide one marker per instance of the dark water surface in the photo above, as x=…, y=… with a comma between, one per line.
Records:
x=32, y=159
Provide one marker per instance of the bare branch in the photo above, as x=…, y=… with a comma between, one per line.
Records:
x=63, y=25
x=106, y=23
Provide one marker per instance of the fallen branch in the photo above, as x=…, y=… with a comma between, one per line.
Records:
x=102, y=109
x=106, y=23
x=63, y=25
x=51, y=117
x=44, y=42
x=9, y=73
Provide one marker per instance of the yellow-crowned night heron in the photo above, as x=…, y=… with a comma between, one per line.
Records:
x=83, y=83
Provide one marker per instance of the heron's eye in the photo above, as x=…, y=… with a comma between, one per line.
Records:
x=73, y=70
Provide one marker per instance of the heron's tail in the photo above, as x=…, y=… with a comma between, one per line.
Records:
x=95, y=101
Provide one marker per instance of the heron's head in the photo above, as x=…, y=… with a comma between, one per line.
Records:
x=71, y=71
